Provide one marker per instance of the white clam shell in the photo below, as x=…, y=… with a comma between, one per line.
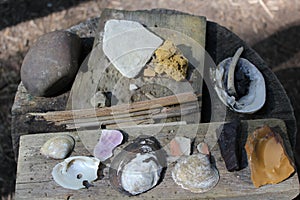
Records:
x=256, y=96
x=195, y=173
x=140, y=175
x=74, y=171
x=138, y=167
x=58, y=147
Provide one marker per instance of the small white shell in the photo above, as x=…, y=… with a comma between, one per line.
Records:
x=74, y=171
x=256, y=96
x=195, y=173
x=58, y=147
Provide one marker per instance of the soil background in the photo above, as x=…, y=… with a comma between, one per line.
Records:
x=271, y=27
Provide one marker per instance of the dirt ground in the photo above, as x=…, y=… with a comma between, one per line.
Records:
x=271, y=27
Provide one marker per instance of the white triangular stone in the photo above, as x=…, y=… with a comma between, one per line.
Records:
x=129, y=45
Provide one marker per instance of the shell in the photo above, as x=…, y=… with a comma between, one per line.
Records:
x=109, y=140
x=76, y=172
x=195, y=173
x=58, y=147
x=139, y=167
x=253, y=100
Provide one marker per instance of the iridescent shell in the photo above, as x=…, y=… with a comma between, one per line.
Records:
x=138, y=167
x=108, y=141
x=76, y=172
x=58, y=147
x=195, y=173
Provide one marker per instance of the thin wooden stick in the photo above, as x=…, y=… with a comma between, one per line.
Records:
x=133, y=118
x=58, y=116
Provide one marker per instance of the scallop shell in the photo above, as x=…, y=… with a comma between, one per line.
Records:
x=139, y=167
x=76, y=172
x=109, y=140
x=58, y=147
x=195, y=173
x=256, y=96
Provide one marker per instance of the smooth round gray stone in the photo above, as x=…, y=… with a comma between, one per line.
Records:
x=51, y=64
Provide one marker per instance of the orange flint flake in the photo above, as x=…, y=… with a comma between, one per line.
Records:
x=268, y=160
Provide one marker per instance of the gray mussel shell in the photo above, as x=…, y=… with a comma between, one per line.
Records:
x=256, y=96
x=140, y=146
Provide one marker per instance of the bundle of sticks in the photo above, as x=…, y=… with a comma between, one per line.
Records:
x=142, y=112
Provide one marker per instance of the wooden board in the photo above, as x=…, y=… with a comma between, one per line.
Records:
x=220, y=43
x=98, y=74
x=34, y=179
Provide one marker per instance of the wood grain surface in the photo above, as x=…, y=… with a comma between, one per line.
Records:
x=34, y=180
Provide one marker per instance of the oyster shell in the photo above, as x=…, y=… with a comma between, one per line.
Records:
x=246, y=95
x=58, y=147
x=109, y=140
x=76, y=172
x=195, y=173
x=139, y=167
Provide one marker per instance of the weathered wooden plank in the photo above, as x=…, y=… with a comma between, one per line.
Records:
x=34, y=179
x=220, y=43
x=175, y=26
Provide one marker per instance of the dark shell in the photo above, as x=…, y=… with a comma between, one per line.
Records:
x=141, y=145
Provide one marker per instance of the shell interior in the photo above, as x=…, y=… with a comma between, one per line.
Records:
x=139, y=167
x=58, y=147
x=74, y=171
x=195, y=173
x=256, y=96
x=109, y=140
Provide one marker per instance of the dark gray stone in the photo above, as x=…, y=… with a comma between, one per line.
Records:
x=51, y=64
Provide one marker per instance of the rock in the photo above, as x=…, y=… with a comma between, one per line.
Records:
x=133, y=87
x=178, y=146
x=98, y=100
x=51, y=64
x=267, y=157
x=149, y=72
x=229, y=142
x=129, y=46
x=169, y=60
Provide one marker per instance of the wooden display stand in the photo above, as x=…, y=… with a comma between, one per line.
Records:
x=34, y=179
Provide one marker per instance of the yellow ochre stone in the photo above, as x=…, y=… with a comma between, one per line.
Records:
x=169, y=60
x=268, y=160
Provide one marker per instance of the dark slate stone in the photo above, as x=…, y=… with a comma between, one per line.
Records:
x=51, y=64
x=229, y=141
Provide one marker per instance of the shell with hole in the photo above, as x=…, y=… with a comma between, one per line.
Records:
x=239, y=84
x=138, y=167
x=76, y=172
x=58, y=147
x=195, y=173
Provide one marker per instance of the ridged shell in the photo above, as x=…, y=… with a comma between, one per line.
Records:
x=251, y=102
x=138, y=167
x=76, y=172
x=195, y=173
x=58, y=147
